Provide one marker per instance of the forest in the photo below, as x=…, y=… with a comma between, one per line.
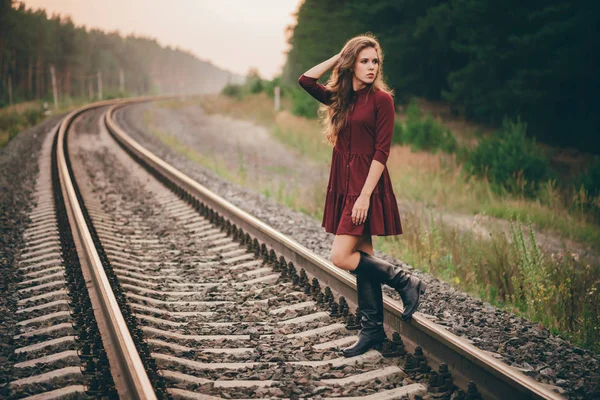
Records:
x=490, y=60
x=32, y=43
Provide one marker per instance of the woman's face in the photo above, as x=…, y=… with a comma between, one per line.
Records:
x=366, y=65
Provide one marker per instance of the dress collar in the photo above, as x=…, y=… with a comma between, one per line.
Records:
x=362, y=90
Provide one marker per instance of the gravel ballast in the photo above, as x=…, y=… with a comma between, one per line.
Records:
x=19, y=166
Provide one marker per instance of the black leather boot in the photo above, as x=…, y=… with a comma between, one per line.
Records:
x=408, y=286
x=370, y=307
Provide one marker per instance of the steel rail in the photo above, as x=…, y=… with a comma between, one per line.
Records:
x=494, y=379
x=129, y=374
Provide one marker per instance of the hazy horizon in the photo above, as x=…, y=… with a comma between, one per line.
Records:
x=233, y=35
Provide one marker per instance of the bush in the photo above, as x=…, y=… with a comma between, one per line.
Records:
x=11, y=123
x=303, y=104
x=33, y=115
x=397, y=137
x=587, y=190
x=510, y=161
x=426, y=133
x=269, y=86
x=233, y=91
x=590, y=179
x=256, y=86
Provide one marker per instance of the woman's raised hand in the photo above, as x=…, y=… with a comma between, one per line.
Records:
x=320, y=69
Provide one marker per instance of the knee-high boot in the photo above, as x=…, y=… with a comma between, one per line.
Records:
x=408, y=286
x=370, y=306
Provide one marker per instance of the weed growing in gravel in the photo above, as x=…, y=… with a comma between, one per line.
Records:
x=18, y=119
x=561, y=291
x=242, y=169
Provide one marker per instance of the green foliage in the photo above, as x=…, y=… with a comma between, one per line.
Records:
x=590, y=179
x=236, y=91
x=398, y=135
x=256, y=86
x=303, y=104
x=587, y=189
x=11, y=123
x=322, y=29
x=253, y=85
x=33, y=115
x=558, y=290
x=510, y=161
x=424, y=132
x=269, y=86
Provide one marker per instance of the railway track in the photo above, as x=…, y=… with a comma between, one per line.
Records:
x=194, y=298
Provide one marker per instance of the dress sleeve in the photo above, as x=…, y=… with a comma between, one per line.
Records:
x=384, y=126
x=315, y=89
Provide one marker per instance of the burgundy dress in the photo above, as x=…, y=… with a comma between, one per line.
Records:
x=367, y=135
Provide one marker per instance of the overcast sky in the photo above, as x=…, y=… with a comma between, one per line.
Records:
x=232, y=34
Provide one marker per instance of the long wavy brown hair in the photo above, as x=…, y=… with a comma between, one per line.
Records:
x=333, y=116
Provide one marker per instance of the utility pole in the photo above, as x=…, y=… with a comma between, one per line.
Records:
x=10, y=90
x=99, y=77
x=122, y=81
x=277, y=98
x=54, y=89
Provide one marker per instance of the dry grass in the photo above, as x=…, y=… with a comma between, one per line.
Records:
x=257, y=108
x=20, y=107
x=13, y=119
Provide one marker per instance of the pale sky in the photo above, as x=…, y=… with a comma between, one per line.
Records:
x=232, y=34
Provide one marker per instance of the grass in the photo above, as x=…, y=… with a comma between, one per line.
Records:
x=212, y=162
x=440, y=182
x=15, y=119
x=506, y=268
x=276, y=186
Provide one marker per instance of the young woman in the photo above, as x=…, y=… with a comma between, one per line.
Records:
x=358, y=114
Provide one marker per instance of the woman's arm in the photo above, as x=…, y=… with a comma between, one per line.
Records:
x=318, y=70
x=375, y=172
x=361, y=206
x=384, y=129
x=308, y=80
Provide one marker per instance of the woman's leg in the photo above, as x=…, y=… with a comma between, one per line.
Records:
x=343, y=251
x=365, y=244
x=370, y=308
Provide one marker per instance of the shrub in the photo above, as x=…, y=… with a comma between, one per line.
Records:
x=397, y=137
x=33, y=115
x=510, y=160
x=587, y=190
x=269, y=86
x=12, y=122
x=303, y=104
x=590, y=179
x=426, y=133
x=256, y=86
x=233, y=91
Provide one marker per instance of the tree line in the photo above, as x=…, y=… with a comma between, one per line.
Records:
x=32, y=44
x=537, y=60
